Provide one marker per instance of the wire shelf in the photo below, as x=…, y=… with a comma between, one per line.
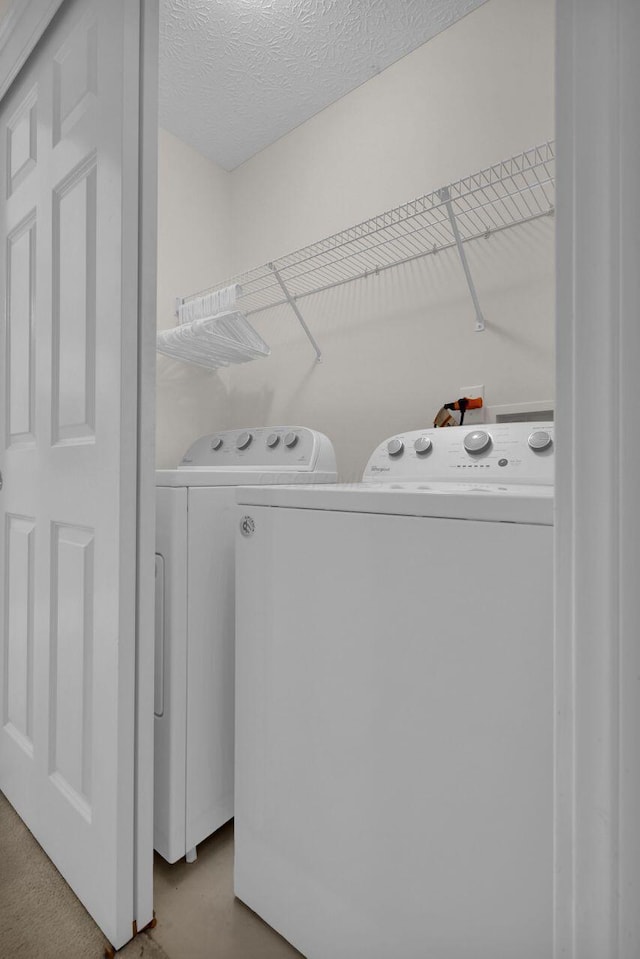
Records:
x=502, y=196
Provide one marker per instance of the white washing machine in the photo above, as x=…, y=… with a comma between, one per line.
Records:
x=394, y=705
x=195, y=600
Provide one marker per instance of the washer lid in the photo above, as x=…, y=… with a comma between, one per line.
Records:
x=205, y=476
x=477, y=501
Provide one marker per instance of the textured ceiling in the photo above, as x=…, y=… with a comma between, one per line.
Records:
x=237, y=74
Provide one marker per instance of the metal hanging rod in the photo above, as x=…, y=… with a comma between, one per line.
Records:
x=507, y=194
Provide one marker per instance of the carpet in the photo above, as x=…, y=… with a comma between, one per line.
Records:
x=40, y=918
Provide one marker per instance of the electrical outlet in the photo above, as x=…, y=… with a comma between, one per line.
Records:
x=472, y=417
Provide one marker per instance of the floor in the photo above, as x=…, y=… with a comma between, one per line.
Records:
x=197, y=914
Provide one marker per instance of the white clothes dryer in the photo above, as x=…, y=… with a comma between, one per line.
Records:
x=195, y=610
x=394, y=702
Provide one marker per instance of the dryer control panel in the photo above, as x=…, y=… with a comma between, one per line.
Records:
x=495, y=453
x=262, y=449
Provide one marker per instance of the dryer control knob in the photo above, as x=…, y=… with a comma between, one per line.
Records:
x=244, y=440
x=290, y=440
x=477, y=442
x=272, y=440
x=216, y=443
x=395, y=447
x=422, y=445
x=540, y=440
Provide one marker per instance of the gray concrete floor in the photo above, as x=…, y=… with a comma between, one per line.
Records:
x=198, y=916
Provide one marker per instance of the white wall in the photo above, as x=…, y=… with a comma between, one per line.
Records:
x=476, y=93
x=397, y=347
x=194, y=216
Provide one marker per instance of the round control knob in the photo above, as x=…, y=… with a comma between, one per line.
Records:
x=290, y=440
x=272, y=440
x=422, y=445
x=395, y=447
x=477, y=442
x=244, y=440
x=540, y=440
x=216, y=443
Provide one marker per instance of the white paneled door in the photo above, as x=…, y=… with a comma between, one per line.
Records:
x=69, y=169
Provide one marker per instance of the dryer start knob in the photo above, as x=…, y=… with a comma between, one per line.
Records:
x=290, y=440
x=216, y=443
x=244, y=440
x=540, y=440
x=477, y=442
x=395, y=447
x=422, y=445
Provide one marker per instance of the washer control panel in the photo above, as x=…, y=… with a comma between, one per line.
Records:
x=499, y=452
x=295, y=448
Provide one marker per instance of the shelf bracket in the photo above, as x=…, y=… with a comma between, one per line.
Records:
x=294, y=306
x=445, y=196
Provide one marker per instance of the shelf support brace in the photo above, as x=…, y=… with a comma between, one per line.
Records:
x=294, y=306
x=445, y=196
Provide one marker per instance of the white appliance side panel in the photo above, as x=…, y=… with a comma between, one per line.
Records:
x=394, y=734
x=210, y=705
x=170, y=729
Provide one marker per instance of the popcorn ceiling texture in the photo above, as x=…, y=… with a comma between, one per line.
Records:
x=235, y=75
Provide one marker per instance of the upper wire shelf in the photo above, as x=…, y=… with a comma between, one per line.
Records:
x=497, y=198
